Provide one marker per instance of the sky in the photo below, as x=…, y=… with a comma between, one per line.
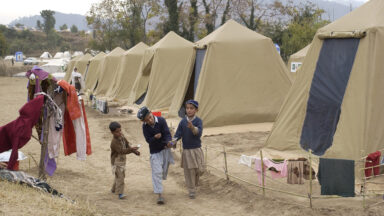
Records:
x=13, y=9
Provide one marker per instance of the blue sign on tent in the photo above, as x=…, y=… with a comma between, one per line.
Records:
x=19, y=56
x=277, y=48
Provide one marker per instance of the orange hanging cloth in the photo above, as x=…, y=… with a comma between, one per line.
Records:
x=72, y=112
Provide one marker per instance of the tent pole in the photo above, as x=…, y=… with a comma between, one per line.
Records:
x=262, y=171
x=310, y=178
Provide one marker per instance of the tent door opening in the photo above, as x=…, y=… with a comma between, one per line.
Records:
x=326, y=94
x=192, y=86
x=141, y=98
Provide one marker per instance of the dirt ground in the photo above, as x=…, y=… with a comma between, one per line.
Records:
x=90, y=181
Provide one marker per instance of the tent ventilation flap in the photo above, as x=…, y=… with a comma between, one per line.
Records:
x=342, y=34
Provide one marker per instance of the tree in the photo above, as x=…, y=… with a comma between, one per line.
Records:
x=63, y=27
x=39, y=25
x=74, y=29
x=172, y=23
x=3, y=45
x=189, y=19
x=212, y=10
x=102, y=19
x=49, y=21
x=305, y=20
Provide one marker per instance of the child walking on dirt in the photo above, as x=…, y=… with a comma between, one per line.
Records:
x=119, y=149
x=157, y=135
x=192, y=159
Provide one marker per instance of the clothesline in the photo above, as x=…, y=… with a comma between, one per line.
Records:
x=370, y=153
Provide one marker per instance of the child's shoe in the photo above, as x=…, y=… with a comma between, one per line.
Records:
x=160, y=201
x=122, y=196
x=192, y=195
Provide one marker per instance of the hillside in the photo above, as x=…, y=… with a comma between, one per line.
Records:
x=34, y=43
x=61, y=19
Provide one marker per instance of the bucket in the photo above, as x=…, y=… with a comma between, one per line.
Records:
x=158, y=114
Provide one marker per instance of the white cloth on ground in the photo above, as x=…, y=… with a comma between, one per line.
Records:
x=160, y=163
x=4, y=156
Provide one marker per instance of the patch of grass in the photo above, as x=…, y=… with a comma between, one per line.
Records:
x=22, y=200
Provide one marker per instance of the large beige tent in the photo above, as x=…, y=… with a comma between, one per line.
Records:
x=127, y=72
x=91, y=75
x=242, y=78
x=335, y=107
x=70, y=67
x=296, y=60
x=107, y=71
x=164, y=66
x=81, y=64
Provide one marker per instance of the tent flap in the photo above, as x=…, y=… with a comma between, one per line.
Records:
x=326, y=93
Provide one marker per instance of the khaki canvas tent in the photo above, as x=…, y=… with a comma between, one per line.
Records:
x=91, y=76
x=296, y=60
x=238, y=78
x=335, y=107
x=81, y=64
x=127, y=72
x=70, y=67
x=107, y=71
x=164, y=66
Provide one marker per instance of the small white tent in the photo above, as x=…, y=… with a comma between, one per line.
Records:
x=55, y=66
x=46, y=55
x=67, y=55
x=59, y=55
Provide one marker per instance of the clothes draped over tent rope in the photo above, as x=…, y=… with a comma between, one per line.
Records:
x=372, y=160
x=76, y=133
x=17, y=133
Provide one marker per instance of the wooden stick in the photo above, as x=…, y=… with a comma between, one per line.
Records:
x=364, y=183
x=206, y=156
x=310, y=178
x=262, y=171
x=225, y=162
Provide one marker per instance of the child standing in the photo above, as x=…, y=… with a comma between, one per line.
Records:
x=157, y=135
x=192, y=159
x=119, y=149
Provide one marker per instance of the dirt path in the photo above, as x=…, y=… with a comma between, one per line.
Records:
x=91, y=180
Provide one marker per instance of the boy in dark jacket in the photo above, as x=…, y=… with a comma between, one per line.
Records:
x=157, y=135
x=190, y=130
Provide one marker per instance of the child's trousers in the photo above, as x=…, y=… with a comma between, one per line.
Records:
x=191, y=178
x=118, y=183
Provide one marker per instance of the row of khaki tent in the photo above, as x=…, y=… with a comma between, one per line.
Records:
x=236, y=75
x=334, y=107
